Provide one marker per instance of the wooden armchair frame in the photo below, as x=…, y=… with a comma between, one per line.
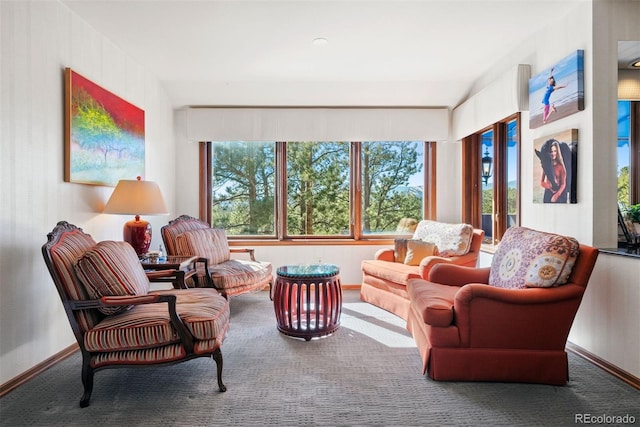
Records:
x=83, y=312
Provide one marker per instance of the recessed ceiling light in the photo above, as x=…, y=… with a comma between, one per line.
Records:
x=320, y=41
x=636, y=63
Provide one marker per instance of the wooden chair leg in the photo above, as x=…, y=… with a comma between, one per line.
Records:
x=87, y=381
x=217, y=356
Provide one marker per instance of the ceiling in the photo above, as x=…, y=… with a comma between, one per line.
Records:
x=391, y=53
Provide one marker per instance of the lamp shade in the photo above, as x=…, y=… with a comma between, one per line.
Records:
x=137, y=197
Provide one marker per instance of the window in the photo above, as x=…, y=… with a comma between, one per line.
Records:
x=304, y=189
x=491, y=178
x=629, y=152
x=392, y=186
x=243, y=187
x=318, y=189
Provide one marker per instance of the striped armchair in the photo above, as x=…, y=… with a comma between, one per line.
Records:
x=117, y=322
x=188, y=236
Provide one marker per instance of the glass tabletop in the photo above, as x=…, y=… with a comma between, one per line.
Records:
x=308, y=270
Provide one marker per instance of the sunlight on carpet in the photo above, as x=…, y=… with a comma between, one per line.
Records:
x=376, y=324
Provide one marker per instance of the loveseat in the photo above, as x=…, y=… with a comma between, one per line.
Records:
x=508, y=322
x=384, y=278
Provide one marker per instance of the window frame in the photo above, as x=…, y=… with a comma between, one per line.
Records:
x=634, y=150
x=356, y=234
x=472, y=179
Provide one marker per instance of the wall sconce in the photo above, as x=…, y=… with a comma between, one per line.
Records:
x=136, y=197
x=486, y=166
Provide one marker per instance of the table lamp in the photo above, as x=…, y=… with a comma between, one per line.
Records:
x=136, y=197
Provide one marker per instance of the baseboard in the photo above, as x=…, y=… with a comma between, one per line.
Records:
x=37, y=369
x=625, y=376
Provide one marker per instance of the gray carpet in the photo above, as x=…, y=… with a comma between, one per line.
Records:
x=367, y=374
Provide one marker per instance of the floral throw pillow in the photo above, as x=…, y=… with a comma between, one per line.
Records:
x=530, y=258
x=451, y=239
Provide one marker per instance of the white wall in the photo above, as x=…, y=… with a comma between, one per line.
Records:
x=38, y=40
x=608, y=319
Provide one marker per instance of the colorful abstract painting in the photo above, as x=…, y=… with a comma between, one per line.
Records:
x=557, y=91
x=104, y=134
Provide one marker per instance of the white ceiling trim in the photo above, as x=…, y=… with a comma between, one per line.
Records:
x=505, y=96
x=317, y=124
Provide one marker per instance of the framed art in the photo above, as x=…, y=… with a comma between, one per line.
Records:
x=558, y=91
x=555, y=168
x=104, y=134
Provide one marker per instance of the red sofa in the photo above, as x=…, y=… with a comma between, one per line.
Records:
x=384, y=278
x=468, y=330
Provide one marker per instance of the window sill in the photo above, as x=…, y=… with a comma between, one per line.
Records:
x=311, y=242
x=633, y=253
x=488, y=248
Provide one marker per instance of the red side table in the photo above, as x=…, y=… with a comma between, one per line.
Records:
x=308, y=300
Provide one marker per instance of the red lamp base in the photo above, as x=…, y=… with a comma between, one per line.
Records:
x=137, y=233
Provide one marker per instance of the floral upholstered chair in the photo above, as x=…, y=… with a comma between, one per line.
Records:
x=188, y=236
x=116, y=320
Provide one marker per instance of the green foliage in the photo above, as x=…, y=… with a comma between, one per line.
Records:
x=487, y=201
x=623, y=185
x=317, y=188
x=318, y=197
x=386, y=195
x=634, y=213
x=243, y=187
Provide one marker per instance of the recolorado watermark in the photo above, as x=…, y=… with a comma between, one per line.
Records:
x=604, y=419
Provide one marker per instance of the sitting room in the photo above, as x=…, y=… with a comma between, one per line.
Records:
x=385, y=149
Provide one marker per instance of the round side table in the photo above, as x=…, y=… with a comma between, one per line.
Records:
x=308, y=300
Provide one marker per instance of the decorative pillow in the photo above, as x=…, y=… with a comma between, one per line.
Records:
x=400, y=249
x=210, y=243
x=112, y=269
x=451, y=239
x=417, y=250
x=530, y=258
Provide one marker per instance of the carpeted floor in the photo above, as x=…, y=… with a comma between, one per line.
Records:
x=367, y=374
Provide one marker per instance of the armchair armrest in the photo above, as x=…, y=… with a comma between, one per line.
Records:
x=385, y=254
x=532, y=318
x=249, y=251
x=458, y=275
x=158, y=274
x=203, y=277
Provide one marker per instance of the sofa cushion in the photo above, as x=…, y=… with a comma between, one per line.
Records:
x=395, y=272
x=451, y=239
x=240, y=274
x=112, y=269
x=417, y=250
x=210, y=243
x=531, y=258
x=432, y=301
